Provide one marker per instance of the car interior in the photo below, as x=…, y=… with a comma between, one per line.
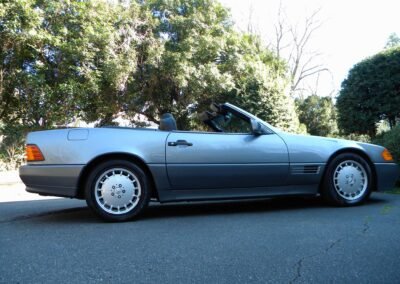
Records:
x=217, y=119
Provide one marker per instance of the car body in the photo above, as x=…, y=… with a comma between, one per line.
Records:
x=202, y=165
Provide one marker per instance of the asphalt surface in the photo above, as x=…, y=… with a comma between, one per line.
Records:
x=265, y=241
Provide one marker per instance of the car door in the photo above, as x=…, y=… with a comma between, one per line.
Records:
x=200, y=160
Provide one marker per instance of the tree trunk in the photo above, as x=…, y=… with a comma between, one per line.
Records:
x=392, y=122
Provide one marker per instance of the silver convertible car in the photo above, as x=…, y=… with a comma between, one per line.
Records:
x=118, y=170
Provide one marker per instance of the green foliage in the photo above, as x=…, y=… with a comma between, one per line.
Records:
x=178, y=70
x=11, y=147
x=371, y=93
x=318, y=114
x=62, y=59
x=356, y=137
x=393, y=40
x=391, y=140
x=91, y=60
x=396, y=190
x=258, y=81
x=201, y=60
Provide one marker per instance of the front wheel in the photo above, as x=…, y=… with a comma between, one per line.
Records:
x=348, y=180
x=117, y=190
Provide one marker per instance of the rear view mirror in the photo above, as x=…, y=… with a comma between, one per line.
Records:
x=256, y=127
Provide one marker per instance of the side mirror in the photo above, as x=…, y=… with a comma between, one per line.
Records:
x=256, y=127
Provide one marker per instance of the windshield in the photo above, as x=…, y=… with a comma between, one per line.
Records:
x=251, y=116
x=230, y=122
x=230, y=119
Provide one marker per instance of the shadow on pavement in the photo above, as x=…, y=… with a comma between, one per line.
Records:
x=82, y=214
x=240, y=207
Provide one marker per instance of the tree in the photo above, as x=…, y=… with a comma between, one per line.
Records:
x=201, y=59
x=318, y=114
x=261, y=85
x=116, y=40
x=393, y=40
x=67, y=59
x=180, y=69
x=292, y=44
x=371, y=93
x=15, y=18
x=92, y=60
x=63, y=60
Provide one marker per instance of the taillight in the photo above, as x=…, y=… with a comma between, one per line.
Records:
x=33, y=153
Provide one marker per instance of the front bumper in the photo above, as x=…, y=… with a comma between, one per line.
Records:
x=387, y=175
x=55, y=180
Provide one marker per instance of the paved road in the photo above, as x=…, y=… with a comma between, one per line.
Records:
x=265, y=241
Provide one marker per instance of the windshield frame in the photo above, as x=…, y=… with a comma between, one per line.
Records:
x=234, y=108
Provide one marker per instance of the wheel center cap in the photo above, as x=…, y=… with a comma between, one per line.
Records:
x=350, y=179
x=118, y=190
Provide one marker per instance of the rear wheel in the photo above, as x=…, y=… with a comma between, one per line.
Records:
x=117, y=190
x=348, y=180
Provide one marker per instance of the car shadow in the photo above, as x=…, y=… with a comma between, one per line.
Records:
x=82, y=214
x=247, y=206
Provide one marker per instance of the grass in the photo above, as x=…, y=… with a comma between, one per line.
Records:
x=396, y=190
x=386, y=209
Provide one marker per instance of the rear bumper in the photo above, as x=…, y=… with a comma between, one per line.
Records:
x=55, y=180
x=387, y=175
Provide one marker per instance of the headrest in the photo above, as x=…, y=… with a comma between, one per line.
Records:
x=167, y=122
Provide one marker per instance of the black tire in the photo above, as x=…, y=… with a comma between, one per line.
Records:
x=334, y=194
x=131, y=176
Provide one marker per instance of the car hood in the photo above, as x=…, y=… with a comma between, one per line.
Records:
x=319, y=149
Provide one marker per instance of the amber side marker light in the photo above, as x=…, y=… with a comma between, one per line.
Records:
x=386, y=155
x=33, y=153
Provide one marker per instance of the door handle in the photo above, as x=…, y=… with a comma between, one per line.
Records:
x=180, y=143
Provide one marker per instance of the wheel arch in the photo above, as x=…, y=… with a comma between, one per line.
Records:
x=114, y=156
x=357, y=151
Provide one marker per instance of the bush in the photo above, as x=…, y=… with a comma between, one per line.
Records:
x=12, y=147
x=391, y=140
x=359, y=137
x=354, y=137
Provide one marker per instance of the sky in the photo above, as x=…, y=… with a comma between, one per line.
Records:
x=351, y=29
